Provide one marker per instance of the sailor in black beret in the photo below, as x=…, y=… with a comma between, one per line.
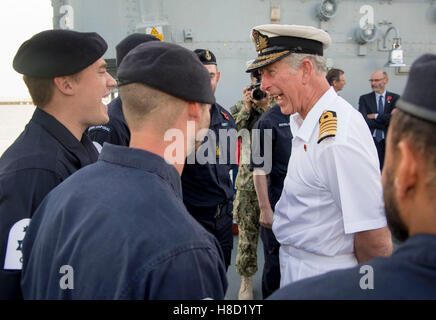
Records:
x=207, y=187
x=67, y=80
x=55, y=53
x=208, y=59
x=130, y=42
x=142, y=221
x=169, y=68
x=116, y=130
x=206, y=56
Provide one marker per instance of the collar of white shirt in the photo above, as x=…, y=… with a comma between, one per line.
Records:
x=305, y=127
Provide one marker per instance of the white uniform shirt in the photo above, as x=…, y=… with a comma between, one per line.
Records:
x=332, y=189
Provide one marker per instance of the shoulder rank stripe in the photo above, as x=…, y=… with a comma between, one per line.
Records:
x=328, y=125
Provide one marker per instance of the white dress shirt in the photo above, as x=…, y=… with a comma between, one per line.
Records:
x=332, y=188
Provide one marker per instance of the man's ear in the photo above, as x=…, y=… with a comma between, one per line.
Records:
x=193, y=111
x=406, y=176
x=64, y=85
x=218, y=74
x=307, y=69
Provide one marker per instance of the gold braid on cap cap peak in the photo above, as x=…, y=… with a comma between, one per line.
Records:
x=262, y=60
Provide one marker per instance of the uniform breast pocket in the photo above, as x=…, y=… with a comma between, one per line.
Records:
x=302, y=184
x=297, y=189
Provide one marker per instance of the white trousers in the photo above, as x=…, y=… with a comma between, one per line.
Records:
x=297, y=264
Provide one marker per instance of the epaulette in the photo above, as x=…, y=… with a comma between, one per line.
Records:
x=328, y=125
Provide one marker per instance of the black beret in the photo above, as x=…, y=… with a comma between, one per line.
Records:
x=206, y=56
x=169, y=68
x=55, y=53
x=130, y=42
x=419, y=95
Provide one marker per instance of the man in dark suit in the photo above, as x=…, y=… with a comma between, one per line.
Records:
x=376, y=108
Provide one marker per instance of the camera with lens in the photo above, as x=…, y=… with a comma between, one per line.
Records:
x=256, y=93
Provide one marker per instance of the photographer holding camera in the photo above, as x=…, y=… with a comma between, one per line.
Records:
x=254, y=96
x=246, y=208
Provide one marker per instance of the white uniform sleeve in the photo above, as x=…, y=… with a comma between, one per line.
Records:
x=354, y=180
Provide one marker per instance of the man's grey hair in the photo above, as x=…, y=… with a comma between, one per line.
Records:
x=294, y=60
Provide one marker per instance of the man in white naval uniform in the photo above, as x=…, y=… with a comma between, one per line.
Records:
x=331, y=212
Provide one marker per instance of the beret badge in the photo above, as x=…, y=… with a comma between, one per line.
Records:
x=260, y=41
x=208, y=56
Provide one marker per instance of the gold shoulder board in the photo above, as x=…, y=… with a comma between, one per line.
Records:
x=328, y=125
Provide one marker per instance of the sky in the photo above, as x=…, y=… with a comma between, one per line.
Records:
x=19, y=20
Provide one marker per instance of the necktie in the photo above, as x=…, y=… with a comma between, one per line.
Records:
x=380, y=105
x=380, y=109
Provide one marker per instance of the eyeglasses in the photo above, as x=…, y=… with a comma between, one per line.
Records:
x=376, y=80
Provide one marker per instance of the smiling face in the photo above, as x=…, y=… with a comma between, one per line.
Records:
x=93, y=84
x=284, y=85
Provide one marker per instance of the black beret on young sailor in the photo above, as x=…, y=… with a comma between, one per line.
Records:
x=55, y=53
x=205, y=56
x=169, y=68
x=130, y=42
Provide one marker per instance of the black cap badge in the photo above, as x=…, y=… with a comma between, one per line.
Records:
x=208, y=56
